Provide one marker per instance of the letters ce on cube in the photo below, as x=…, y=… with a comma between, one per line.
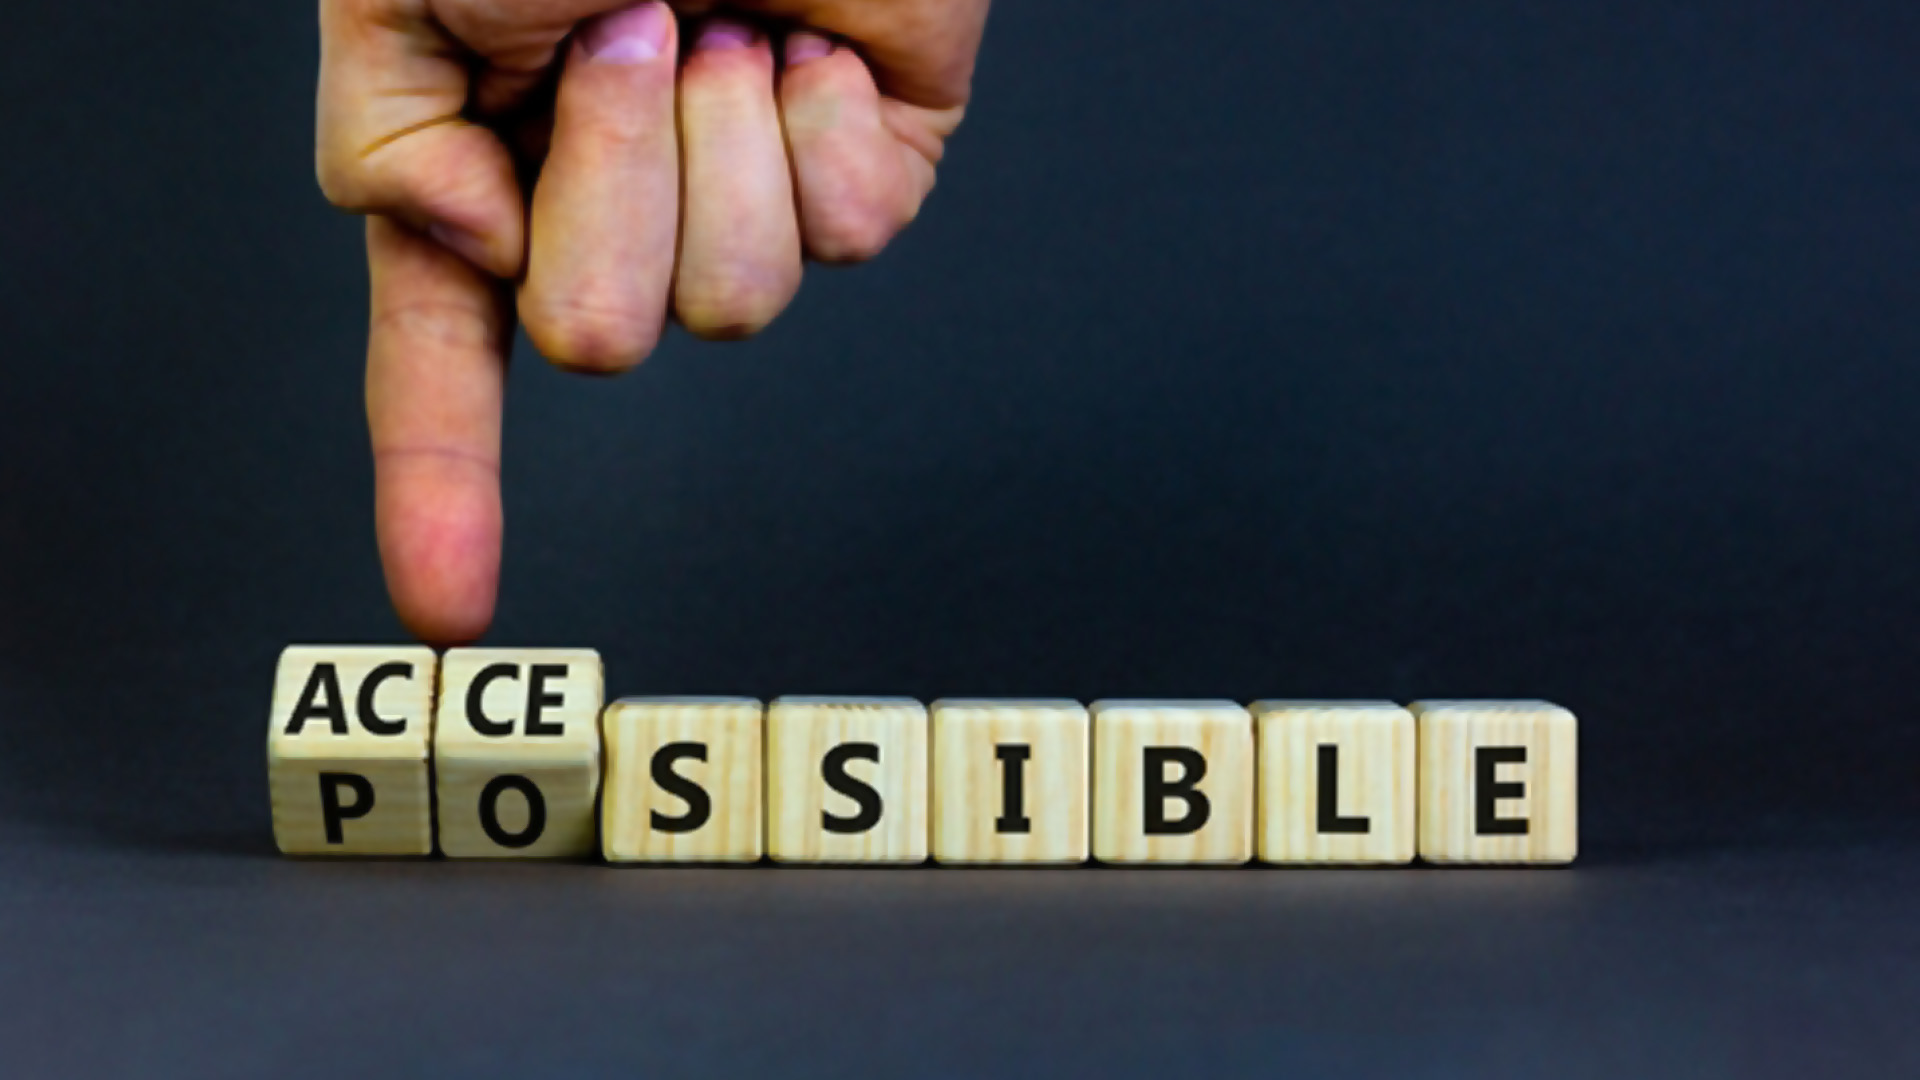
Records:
x=517, y=752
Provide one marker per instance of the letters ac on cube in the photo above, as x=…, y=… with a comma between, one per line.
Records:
x=513, y=754
x=350, y=749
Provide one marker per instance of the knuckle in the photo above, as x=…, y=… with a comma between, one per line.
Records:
x=340, y=183
x=730, y=306
x=589, y=335
x=856, y=218
x=434, y=167
x=851, y=233
x=436, y=324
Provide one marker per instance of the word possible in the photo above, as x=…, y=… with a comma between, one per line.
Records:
x=507, y=753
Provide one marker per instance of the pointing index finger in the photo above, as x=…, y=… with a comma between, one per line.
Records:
x=436, y=374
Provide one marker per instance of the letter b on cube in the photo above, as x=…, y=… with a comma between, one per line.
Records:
x=1172, y=782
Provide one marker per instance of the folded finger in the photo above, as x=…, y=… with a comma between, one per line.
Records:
x=856, y=182
x=606, y=211
x=740, y=240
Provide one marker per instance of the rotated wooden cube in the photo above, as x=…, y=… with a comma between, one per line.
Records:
x=517, y=752
x=847, y=780
x=1336, y=782
x=683, y=780
x=1172, y=782
x=348, y=750
x=1010, y=781
x=1498, y=782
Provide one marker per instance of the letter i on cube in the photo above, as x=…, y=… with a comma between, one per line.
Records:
x=1010, y=781
x=517, y=752
x=348, y=751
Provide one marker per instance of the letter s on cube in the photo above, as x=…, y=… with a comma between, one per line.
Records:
x=847, y=780
x=683, y=780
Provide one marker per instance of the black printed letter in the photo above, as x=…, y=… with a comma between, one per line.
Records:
x=373, y=721
x=320, y=700
x=332, y=812
x=834, y=770
x=490, y=811
x=1013, y=797
x=539, y=697
x=1487, y=790
x=699, y=806
x=1193, y=768
x=1329, y=787
x=476, y=694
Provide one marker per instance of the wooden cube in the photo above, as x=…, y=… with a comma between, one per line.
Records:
x=1498, y=782
x=1172, y=782
x=517, y=752
x=847, y=780
x=1010, y=781
x=683, y=780
x=1336, y=782
x=349, y=748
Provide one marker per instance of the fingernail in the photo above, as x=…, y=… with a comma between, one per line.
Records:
x=719, y=35
x=803, y=46
x=632, y=35
x=460, y=242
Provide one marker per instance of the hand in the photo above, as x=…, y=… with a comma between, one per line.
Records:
x=832, y=155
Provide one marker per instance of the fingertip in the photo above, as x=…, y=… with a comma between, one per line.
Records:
x=804, y=46
x=723, y=47
x=638, y=34
x=440, y=533
x=443, y=630
x=722, y=34
x=815, y=62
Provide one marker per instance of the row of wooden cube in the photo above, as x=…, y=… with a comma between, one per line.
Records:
x=508, y=749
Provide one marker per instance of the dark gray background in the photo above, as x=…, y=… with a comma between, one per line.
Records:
x=1252, y=349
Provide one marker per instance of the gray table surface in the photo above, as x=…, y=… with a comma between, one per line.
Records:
x=211, y=956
